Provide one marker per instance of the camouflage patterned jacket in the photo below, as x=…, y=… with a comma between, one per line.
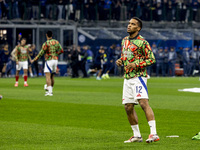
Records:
x=138, y=51
x=22, y=53
x=51, y=48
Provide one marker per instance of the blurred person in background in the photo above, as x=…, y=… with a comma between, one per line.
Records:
x=69, y=9
x=169, y=10
x=98, y=63
x=186, y=61
x=152, y=69
x=199, y=59
x=35, y=64
x=12, y=63
x=1, y=62
x=33, y=67
x=116, y=9
x=61, y=4
x=42, y=8
x=118, y=69
x=77, y=8
x=194, y=60
x=110, y=61
x=73, y=56
x=92, y=9
x=50, y=11
x=89, y=58
x=159, y=11
x=82, y=59
x=105, y=62
x=160, y=61
x=13, y=10
x=19, y=38
x=67, y=56
x=3, y=9
x=165, y=62
x=35, y=9
x=27, y=5
x=172, y=60
x=101, y=9
x=5, y=58
x=195, y=5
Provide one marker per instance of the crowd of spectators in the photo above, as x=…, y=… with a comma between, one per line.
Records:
x=171, y=61
x=147, y=10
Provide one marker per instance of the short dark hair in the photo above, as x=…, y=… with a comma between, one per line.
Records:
x=49, y=33
x=139, y=22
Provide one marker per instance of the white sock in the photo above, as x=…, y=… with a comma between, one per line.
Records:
x=16, y=82
x=152, y=125
x=136, y=130
x=25, y=82
x=49, y=89
x=31, y=74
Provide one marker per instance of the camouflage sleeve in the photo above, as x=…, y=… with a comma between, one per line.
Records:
x=148, y=58
x=44, y=48
x=59, y=49
x=122, y=55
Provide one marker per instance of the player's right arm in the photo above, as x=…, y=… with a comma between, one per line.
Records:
x=119, y=61
x=44, y=48
x=16, y=55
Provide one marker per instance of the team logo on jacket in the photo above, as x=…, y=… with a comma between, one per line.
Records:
x=23, y=50
x=132, y=47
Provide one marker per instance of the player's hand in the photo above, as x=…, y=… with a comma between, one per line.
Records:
x=17, y=63
x=119, y=62
x=131, y=66
x=32, y=61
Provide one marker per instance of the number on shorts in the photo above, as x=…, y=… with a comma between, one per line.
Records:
x=138, y=89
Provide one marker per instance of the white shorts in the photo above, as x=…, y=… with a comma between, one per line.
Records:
x=134, y=89
x=50, y=66
x=22, y=64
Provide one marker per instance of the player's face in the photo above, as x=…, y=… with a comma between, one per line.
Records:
x=133, y=26
x=23, y=42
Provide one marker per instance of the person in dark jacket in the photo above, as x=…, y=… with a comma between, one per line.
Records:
x=4, y=58
x=74, y=61
x=159, y=59
x=172, y=60
x=165, y=62
x=193, y=60
x=186, y=61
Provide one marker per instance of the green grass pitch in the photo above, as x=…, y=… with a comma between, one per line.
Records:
x=88, y=114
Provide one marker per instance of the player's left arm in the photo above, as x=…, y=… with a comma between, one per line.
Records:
x=16, y=54
x=148, y=59
x=59, y=49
